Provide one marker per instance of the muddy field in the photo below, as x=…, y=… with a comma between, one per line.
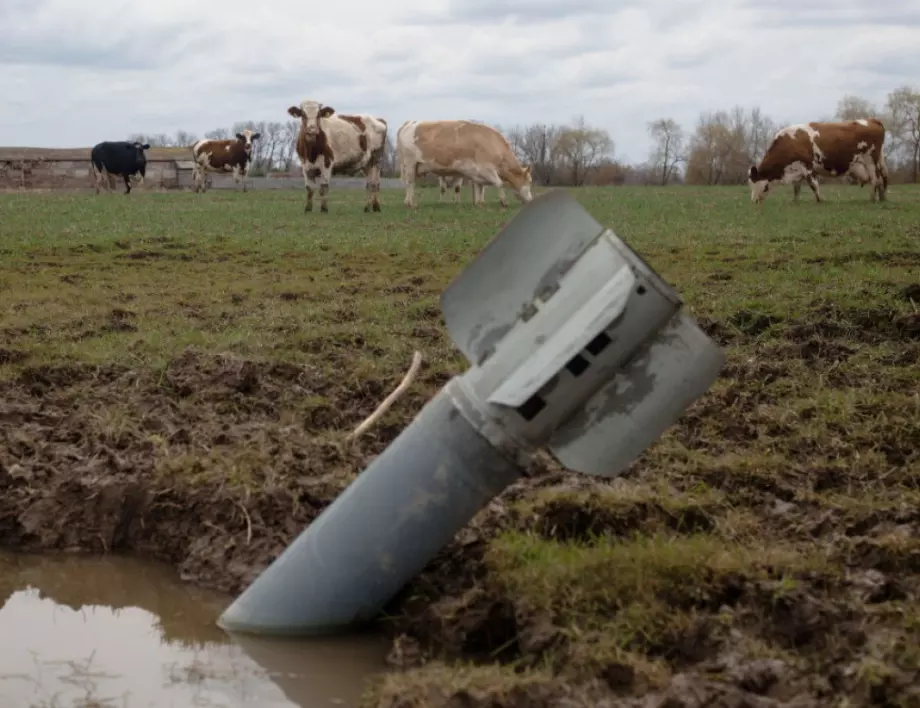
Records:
x=178, y=373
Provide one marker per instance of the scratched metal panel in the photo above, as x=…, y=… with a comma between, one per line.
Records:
x=547, y=359
x=528, y=255
x=636, y=407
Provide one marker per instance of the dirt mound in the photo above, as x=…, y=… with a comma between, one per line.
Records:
x=762, y=552
x=209, y=463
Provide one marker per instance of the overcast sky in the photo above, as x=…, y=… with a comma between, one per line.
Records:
x=74, y=74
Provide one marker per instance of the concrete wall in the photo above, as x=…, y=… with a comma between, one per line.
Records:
x=43, y=174
x=75, y=174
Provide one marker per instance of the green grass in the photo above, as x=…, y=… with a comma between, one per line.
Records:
x=253, y=275
x=799, y=469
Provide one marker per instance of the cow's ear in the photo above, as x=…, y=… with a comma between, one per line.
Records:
x=256, y=136
x=295, y=111
x=326, y=111
x=145, y=146
x=240, y=136
x=752, y=173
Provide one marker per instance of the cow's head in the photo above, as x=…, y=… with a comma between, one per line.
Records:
x=521, y=179
x=246, y=137
x=309, y=113
x=759, y=185
x=140, y=158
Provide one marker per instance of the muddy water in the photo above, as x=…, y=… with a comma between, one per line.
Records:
x=119, y=632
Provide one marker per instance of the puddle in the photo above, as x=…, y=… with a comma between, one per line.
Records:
x=100, y=632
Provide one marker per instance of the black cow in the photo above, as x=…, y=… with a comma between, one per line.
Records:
x=119, y=157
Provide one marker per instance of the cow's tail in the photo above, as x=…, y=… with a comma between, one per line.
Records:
x=96, y=172
x=883, y=170
x=400, y=157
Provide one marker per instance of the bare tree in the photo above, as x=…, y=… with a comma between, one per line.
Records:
x=390, y=166
x=534, y=146
x=272, y=138
x=852, y=107
x=668, y=149
x=154, y=140
x=290, y=129
x=761, y=130
x=725, y=144
x=184, y=139
x=218, y=134
x=903, y=106
x=580, y=147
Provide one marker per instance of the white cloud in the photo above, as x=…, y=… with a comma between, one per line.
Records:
x=74, y=74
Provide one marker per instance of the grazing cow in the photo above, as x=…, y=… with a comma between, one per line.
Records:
x=457, y=183
x=120, y=157
x=223, y=156
x=331, y=143
x=461, y=148
x=852, y=148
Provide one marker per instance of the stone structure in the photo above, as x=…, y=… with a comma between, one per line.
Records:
x=70, y=168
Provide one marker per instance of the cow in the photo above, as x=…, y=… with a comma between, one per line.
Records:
x=798, y=152
x=331, y=143
x=457, y=183
x=120, y=157
x=233, y=155
x=461, y=148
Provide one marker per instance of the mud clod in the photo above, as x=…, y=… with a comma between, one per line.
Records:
x=12, y=356
x=912, y=293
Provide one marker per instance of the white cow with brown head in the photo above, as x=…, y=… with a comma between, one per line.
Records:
x=460, y=148
x=331, y=143
x=799, y=152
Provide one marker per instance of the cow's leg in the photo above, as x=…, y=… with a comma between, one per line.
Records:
x=324, y=177
x=874, y=179
x=309, y=179
x=457, y=185
x=127, y=184
x=796, y=190
x=873, y=182
x=496, y=182
x=492, y=178
x=108, y=180
x=373, y=188
x=813, y=183
x=442, y=186
x=409, y=175
x=882, y=168
x=479, y=193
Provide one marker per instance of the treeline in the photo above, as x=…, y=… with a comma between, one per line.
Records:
x=719, y=149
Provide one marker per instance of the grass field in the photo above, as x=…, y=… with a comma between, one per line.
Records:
x=178, y=371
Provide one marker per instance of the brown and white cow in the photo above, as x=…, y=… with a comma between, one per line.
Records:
x=457, y=183
x=223, y=156
x=799, y=152
x=460, y=148
x=335, y=143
